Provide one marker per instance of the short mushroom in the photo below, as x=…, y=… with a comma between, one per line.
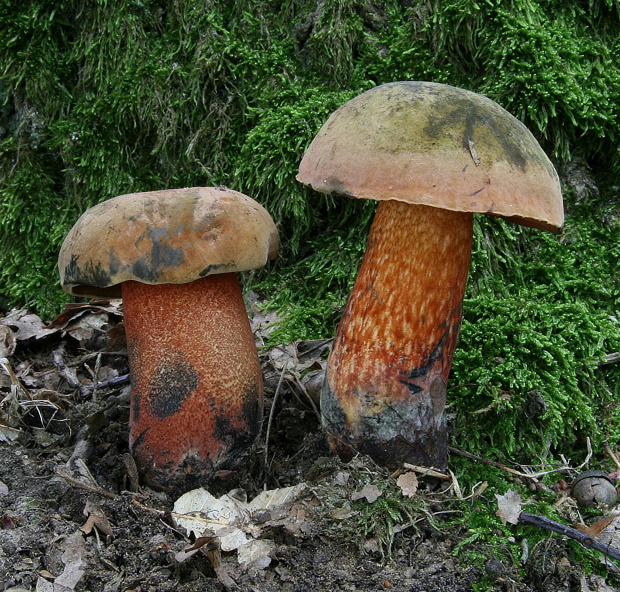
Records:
x=432, y=155
x=197, y=392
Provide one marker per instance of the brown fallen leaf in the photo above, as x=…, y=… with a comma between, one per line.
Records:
x=75, y=310
x=7, y=341
x=73, y=556
x=8, y=522
x=509, y=507
x=84, y=328
x=595, y=529
x=408, y=483
x=27, y=325
x=96, y=519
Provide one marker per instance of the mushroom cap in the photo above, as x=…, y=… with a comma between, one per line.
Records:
x=173, y=236
x=437, y=145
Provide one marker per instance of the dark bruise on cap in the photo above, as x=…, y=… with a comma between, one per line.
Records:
x=172, y=236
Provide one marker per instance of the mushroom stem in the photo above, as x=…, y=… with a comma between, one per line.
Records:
x=196, y=399
x=385, y=388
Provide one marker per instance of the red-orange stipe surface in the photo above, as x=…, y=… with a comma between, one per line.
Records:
x=388, y=369
x=196, y=399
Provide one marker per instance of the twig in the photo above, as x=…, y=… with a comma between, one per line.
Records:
x=63, y=473
x=304, y=390
x=69, y=374
x=610, y=359
x=117, y=381
x=272, y=410
x=611, y=455
x=426, y=471
x=585, y=539
x=96, y=377
x=486, y=461
x=320, y=343
x=532, y=476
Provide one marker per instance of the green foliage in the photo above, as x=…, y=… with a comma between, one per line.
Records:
x=550, y=63
x=269, y=157
x=311, y=293
x=487, y=537
x=352, y=519
x=540, y=323
x=460, y=516
x=108, y=98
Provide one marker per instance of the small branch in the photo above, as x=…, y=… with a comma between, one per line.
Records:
x=113, y=382
x=271, y=412
x=425, y=471
x=611, y=455
x=610, y=359
x=585, y=539
x=492, y=463
x=63, y=473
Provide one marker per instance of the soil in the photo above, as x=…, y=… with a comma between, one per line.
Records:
x=74, y=517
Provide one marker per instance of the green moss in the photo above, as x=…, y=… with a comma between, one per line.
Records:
x=539, y=324
x=151, y=94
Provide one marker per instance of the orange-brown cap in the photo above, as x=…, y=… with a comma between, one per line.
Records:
x=437, y=145
x=172, y=236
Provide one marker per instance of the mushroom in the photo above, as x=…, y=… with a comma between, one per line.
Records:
x=196, y=383
x=432, y=155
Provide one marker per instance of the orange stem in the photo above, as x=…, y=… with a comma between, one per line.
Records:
x=196, y=399
x=385, y=389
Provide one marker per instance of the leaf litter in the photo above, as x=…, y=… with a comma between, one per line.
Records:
x=75, y=517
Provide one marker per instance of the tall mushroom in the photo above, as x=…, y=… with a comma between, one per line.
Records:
x=196, y=398
x=432, y=155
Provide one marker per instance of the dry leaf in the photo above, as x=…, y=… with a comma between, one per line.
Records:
x=370, y=492
x=9, y=434
x=27, y=325
x=235, y=522
x=96, y=519
x=341, y=478
x=72, y=557
x=372, y=545
x=74, y=310
x=83, y=329
x=262, y=323
x=595, y=529
x=593, y=583
x=256, y=553
x=44, y=586
x=310, y=353
x=342, y=513
x=7, y=342
x=208, y=545
x=408, y=483
x=509, y=507
x=299, y=355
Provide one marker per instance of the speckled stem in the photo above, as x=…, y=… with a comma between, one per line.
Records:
x=385, y=388
x=197, y=396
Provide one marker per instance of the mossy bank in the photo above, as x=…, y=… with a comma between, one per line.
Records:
x=99, y=99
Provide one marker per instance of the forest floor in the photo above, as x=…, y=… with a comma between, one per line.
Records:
x=75, y=517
